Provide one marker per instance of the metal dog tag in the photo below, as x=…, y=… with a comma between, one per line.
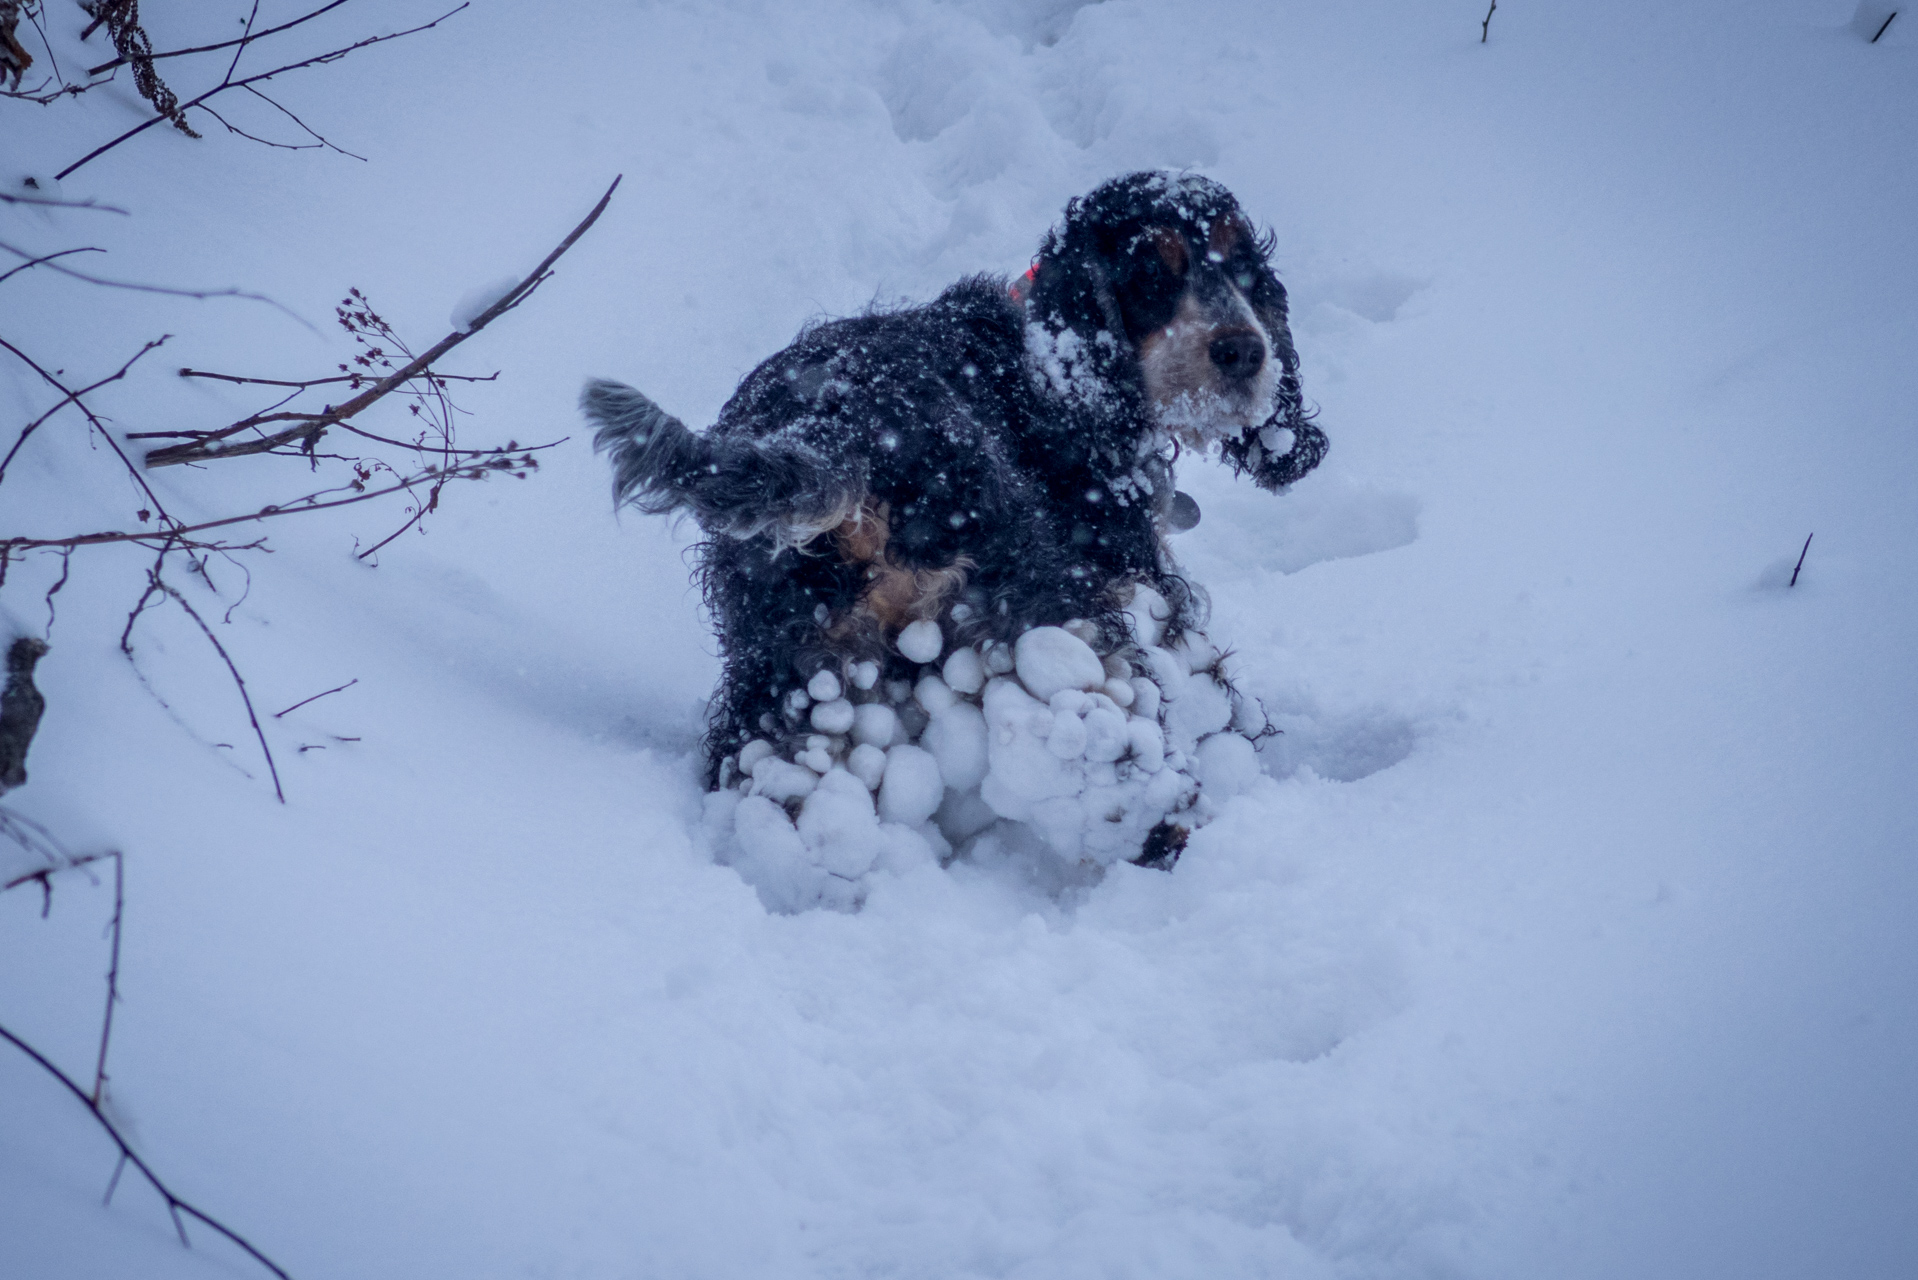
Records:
x=1184, y=513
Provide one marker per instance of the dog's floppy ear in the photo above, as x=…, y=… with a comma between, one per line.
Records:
x=1286, y=446
x=1070, y=287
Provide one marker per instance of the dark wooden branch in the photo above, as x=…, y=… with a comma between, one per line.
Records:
x=137, y=287
x=70, y=397
x=239, y=681
x=73, y=397
x=36, y=839
x=230, y=83
x=177, y=534
x=1801, y=561
x=431, y=504
x=31, y=263
x=6, y=198
x=316, y=697
x=44, y=878
x=316, y=382
x=175, y=1205
x=1485, y=28
x=311, y=425
x=113, y=979
x=251, y=38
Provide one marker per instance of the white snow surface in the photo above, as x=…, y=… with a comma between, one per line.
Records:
x=1565, y=931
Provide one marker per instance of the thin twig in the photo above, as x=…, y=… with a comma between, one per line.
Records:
x=92, y=418
x=313, y=424
x=246, y=38
x=254, y=37
x=316, y=697
x=31, y=263
x=175, y=1205
x=113, y=980
x=137, y=287
x=431, y=504
x=69, y=397
x=177, y=533
x=1485, y=28
x=35, y=839
x=229, y=83
x=42, y=201
x=238, y=680
x=66, y=861
x=66, y=567
x=1801, y=561
x=1881, y=29
x=311, y=132
x=314, y=382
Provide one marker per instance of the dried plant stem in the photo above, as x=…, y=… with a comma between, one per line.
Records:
x=1801, y=561
x=113, y=979
x=239, y=681
x=310, y=425
x=316, y=697
x=246, y=82
x=244, y=40
x=175, y=1205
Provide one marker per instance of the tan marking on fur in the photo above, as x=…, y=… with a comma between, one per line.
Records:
x=1225, y=236
x=1171, y=246
x=894, y=594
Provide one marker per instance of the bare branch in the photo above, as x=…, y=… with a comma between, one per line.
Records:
x=105, y=67
x=175, y=1205
x=177, y=533
x=316, y=697
x=431, y=504
x=310, y=132
x=311, y=425
x=239, y=681
x=43, y=202
x=356, y=378
x=73, y=397
x=113, y=979
x=154, y=288
x=230, y=83
x=122, y=21
x=31, y=263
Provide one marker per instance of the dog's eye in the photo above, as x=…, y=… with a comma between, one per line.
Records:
x=1243, y=279
x=1171, y=247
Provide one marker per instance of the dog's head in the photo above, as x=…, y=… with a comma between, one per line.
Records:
x=1157, y=282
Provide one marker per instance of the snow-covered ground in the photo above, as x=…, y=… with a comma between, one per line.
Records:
x=1572, y=933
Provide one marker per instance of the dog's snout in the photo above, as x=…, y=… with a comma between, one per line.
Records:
x=1238, y=355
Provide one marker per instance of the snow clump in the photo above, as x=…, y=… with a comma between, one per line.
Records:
x=1043, y=747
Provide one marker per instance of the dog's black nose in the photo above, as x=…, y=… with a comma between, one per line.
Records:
x=1238, y=355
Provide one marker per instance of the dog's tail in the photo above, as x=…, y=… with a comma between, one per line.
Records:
x=735, y=487
x=657, y=461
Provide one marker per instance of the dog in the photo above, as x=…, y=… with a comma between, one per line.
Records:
x=996, y=460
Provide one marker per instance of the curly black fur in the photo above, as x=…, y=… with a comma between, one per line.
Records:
x=1008, y=440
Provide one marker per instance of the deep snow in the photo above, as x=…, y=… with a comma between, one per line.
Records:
x=1570, y=935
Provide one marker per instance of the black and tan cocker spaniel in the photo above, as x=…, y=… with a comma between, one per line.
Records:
x=997, y=460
